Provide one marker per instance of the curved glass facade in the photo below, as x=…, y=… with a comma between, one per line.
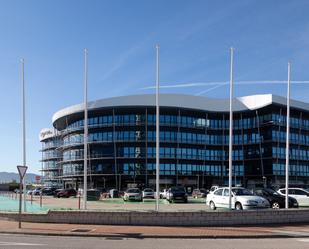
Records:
x=193, y=147
x=51, y=170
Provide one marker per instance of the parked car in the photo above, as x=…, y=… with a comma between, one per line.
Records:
x=301, y=195
x=29, y=192
x=93, y=195
x=17, y=191
x=132, y=194
x=213, y=188
x=241, y=199
x=275, y=199
x=66, y=193
x=148, y=193
x=163, y=193
x=199, y=193
x=177, y=194
x=57, y=191
x=37, y=191
x=114, y=193
x=48, y=191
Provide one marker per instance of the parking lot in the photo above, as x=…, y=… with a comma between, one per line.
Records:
x=118, y=204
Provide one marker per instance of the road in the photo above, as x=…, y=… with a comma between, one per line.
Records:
x=50, y=242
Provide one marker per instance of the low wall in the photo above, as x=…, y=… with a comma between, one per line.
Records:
x=194, y=218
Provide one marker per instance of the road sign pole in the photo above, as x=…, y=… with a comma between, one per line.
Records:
x=22, y=172
x=20, y=197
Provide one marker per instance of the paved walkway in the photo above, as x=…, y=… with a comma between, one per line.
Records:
x=7, y=226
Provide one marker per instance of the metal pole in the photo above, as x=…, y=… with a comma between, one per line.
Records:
x=287, y=149
x=24, y=130
x=157, y=131
x=20, y=197
x=85, y=128
x=231, y=130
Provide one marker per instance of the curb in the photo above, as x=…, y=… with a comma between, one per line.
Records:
x=134, y=236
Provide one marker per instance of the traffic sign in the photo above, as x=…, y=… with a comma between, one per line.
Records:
x=22, y=170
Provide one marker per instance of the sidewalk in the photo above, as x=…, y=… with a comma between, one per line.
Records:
x=11, y=227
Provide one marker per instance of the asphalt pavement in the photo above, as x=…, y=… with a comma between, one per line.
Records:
x=51, y=242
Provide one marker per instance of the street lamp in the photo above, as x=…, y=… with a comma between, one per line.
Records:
x=157, y=130
x=85, y=128
x=287, y=149
x=231, y=129
x=24, y=131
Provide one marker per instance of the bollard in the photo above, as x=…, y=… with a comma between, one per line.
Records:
x=79, y=202
x=41, y=199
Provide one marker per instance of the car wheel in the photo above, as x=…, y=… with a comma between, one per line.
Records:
x=275, y=205
x=238, y=206
x=212, y=205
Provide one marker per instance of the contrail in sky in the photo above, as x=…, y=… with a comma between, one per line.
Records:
x=220, y=83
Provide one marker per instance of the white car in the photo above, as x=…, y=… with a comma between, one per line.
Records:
x=241, y=199
x=132, y=194
x=301, y=195
x=163, y=193
x=148, y=193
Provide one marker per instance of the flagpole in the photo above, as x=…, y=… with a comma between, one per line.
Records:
x=24, y=130
x=231, y=129
x=157, y=131
x=287, y=149
x=85, y=127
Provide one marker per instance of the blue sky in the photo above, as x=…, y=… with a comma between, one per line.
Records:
x=194, y=37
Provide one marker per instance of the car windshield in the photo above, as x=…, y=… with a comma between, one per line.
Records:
x=241, y=191
x=271, y=191
x=148, y=190
x=178, y=190
x=213, y=188
x=133, y=190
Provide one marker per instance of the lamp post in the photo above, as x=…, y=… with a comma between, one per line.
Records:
x=24, y=131
x=231, y=129
x=287, y=148
x=85, y=128
x=157, y=131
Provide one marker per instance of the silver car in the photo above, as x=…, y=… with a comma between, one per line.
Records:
x=241, y=199
x=148, y=193
x=132, y=194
